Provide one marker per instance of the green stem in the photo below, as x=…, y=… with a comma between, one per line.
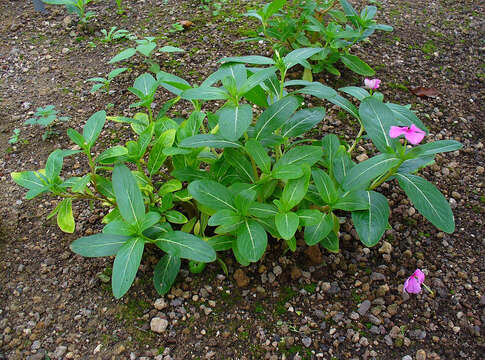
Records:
x=357, y=139
x=385, y=177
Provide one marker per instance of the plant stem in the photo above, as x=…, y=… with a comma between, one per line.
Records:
x=357, y=139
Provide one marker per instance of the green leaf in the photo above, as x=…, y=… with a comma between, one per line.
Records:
x=65, y=220
x=286, y=172
x=251, y=240
x=331, y=242
x=295, y=190
x=331, y=145
x=157, y=157
x=273, y=7
x=125, y=267
x=351, y=201
x=211, y=194
x=98, y=245
x=435, y=148
x=406, y=117
x=146, y=49
x=119, y=227
x=356, y=65
x=361, y=174
x=175, y=217
x=372, y=223
x=221, y=242
x=170, y=186
x=165, y=273
x=341, y=164
x=428, y=200
x=30, y=180
x=357, y=92
x=205, y=93
x=123, y=55
x=241, y=164
x=297, y=56
x=302, y=121
x=275, y=116
x=309, y=217
x=318, y=90
x=287, y=224
x=252, y=59
x=114, y=73
x=190, y=126
x=300, y=155
x=93, y=127
x=128, y=195
x=145, y=83
x=345, y=104
x=412, y=165
x=325, y=186
x=243, y=200
x=261, y=210
x=53, y=165
x=76, y=138
x=151, y=219
x=259, y=154
x=224, y=217
x=104, y=186
x=209, y=140
x=170, y=49
x=110, y=155
x=316, y=233
x=377, y=119
x=234, y=120
x=256, y=79
x=186, y=246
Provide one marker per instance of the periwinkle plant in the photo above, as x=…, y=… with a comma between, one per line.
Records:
x=226, y=179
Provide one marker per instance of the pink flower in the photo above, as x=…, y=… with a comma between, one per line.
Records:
x=413, y=134
x=372, y=83
x=413, y=284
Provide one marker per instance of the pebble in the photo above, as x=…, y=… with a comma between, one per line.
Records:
x=158, y=325
x=354, y=315
x=306, y=341
x=277, y=270
x=362, y=157
x=364, y=307
x=160, y=304
x=420, y=354
x=241, y=278
x=382, y=290
x=386, y=248
x=60, y=351
x=407, y=357
x=363, y=341
x=375, y=276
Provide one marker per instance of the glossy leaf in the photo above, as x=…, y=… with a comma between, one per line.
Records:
x=123, y=55
x=275, y=116
x=126, y=266
x=65, y=219
x=325, y=186
x=98, y=245
x=377, y=119
x=372, y=223
x=355, y=64
x=211, y=194
x=186, y=246
x=331, y=242
x=287, y=224
x=315, y=233
x=302, y=121
x=165, y=273
x=259, y=154
x=210, y=140
x=128, y=195
x=93, y=127
x=351, y=201
x=251, y=240
x=234, y=120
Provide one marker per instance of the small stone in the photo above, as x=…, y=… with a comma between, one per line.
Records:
x=411, y=211
x=158, y=325
x=97, y=349
x=59, y=352
x=395, y=331
x=407, y=357
x=386, y=248
x=374, y=319
x=480, y=170
x=420, y=354
x=120, y=349
x=375, y=276
x=277, y=270
x=325, y=286
x=295, y=273
x=241, y=279
x=314, y=254
x=362, y=157
x=306, y=341
x=160, y=304
x=392, y=309
x=44, y=69
x=482, y=300
x=65, y=50
x=364, y=307
x=35, y=345
x=363, y=341
x=382, y=290
x=354, y=315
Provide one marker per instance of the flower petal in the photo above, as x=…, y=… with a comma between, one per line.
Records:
x=412, y=285
x=419, y=275
x=414, y=137
x=396, y=131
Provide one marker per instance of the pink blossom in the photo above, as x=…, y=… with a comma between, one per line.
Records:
x=413, y=284
x=413, y=134
x=372, y=83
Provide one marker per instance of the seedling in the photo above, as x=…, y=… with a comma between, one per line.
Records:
x=75, y=7
x=102, y=83
x=115, y=35
x=46, y=118
x=15, y=137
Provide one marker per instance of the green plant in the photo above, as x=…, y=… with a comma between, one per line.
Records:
x=115, y=35
x=102, y=83
x=225, y=179
x=302, y=23
x=75, y=7
x=15, y=137
x=119, y=5
x=46, y=117
x=144, y=47
x=176, y=27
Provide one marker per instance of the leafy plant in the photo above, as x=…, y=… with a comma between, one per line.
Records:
x=119, y=5
x=144, y=47
x=115, y=35
x=302, y=23
x=46, y=117
x=102, y=83
x=15, y=137
x=75, y=7
x=176, y=27
x=226, y=179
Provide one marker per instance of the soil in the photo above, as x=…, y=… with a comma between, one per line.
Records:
x=308, y=304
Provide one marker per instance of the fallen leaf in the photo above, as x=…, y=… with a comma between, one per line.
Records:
x=186, y=23
x=425, y=92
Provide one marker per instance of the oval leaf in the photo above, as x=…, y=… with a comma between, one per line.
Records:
x=165, y=273
x=126, y=265
x=186, y=246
